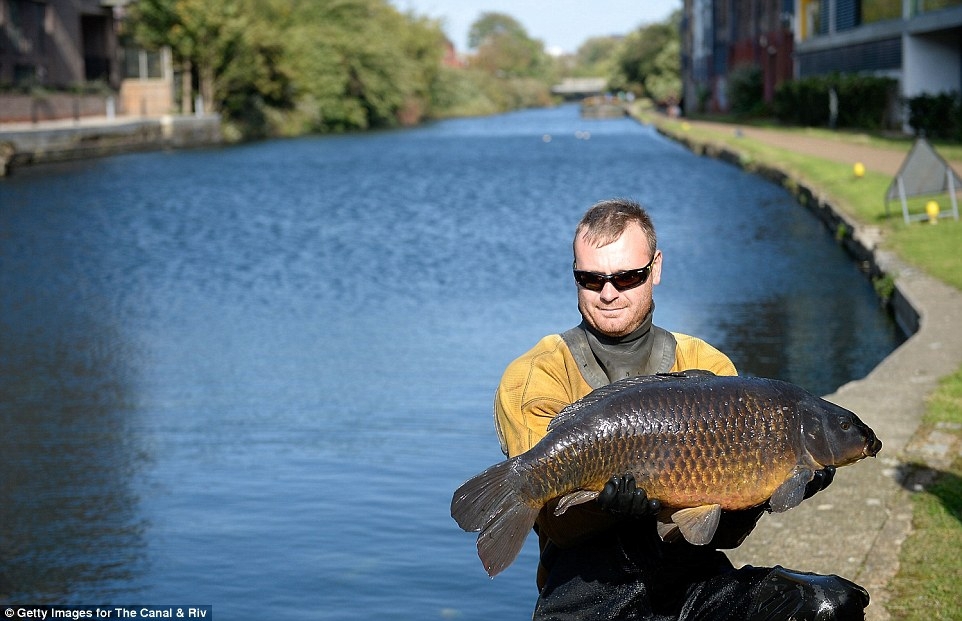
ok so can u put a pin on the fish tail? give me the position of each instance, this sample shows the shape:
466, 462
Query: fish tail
492, 502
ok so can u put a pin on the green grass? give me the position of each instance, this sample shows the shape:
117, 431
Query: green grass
936, 249
928, 585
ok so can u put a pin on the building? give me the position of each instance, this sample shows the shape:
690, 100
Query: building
57, 44
916, 42
722, 36
63, 59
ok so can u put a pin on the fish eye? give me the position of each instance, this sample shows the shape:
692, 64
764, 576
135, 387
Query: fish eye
846, 425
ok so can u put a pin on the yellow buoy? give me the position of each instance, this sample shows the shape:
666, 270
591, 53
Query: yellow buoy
859, 169
932, 210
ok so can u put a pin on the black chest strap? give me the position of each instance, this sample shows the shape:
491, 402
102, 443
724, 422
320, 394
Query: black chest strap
661, 359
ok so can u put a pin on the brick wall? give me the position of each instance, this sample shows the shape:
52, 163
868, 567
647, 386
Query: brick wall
49, 107
149, 98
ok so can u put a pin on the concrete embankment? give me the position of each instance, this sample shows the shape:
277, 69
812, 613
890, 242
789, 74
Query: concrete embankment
856, 527
24, 144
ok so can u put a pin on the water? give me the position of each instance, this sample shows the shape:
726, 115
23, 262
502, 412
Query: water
252, 377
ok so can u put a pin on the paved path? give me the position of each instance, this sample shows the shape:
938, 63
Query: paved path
886, 161
855, 528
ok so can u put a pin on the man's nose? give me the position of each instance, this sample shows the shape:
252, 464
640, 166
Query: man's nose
609, 292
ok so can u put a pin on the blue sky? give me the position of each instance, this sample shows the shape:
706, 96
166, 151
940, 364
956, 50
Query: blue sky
563, 24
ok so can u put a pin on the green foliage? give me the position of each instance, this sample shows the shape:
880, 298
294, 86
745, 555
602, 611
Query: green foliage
746, 91
206, 36
863, 101
802, 102
286, 67
937, 116
458, 92
596, 56
494, 26
290, 66
884, 287
647, 62
504, 49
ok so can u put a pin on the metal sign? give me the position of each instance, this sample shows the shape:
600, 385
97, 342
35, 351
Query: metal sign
924, 172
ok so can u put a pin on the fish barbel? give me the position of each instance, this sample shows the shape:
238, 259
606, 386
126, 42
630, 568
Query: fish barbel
697, 442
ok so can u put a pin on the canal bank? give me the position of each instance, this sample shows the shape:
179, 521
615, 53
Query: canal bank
856, 527
25, 144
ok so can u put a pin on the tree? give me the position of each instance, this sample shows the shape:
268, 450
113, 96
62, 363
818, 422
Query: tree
504, 49
648, 61
360, 62
597, 55
299, 65
201, 35
493, 25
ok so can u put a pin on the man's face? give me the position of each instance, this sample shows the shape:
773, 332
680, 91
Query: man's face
609, 311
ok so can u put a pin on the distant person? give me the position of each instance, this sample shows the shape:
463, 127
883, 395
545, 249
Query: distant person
604, 559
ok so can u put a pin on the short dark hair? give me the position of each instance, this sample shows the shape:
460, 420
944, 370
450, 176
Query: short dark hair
606, 220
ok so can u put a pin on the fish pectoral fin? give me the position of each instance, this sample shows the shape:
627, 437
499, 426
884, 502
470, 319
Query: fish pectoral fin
574, 498
790, 493
698, 524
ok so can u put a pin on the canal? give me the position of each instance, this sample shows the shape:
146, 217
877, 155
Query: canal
251, 377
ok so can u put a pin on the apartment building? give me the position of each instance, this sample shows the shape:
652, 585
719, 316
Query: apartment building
916, 42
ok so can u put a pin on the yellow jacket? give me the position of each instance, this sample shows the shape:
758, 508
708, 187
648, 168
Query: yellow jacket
539, 384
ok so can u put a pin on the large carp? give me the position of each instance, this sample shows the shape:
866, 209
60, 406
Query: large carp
697, 442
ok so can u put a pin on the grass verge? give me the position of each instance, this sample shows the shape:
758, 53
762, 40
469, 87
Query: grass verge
929, 582
928, 586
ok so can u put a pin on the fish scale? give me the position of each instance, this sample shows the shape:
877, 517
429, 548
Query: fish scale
696, 442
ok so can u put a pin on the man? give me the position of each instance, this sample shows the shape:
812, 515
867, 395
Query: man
604, 560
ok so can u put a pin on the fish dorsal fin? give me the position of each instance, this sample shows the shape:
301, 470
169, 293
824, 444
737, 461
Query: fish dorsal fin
791, 493
615, 387
698, 524
574, 498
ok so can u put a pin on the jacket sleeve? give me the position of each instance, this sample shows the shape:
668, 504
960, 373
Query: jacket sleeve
534, 388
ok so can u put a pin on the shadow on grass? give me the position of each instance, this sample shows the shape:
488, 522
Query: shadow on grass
944, 485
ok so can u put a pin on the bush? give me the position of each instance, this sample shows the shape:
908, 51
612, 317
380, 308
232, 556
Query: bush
937, 116
863, 101
746, 92
802, 102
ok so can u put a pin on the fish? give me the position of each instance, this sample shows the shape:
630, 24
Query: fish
696, 442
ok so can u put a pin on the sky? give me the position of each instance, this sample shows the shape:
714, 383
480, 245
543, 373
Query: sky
560, 24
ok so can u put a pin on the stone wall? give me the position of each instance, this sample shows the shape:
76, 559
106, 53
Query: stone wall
52, 142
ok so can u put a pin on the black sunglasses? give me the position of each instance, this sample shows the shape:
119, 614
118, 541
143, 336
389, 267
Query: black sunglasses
622, 281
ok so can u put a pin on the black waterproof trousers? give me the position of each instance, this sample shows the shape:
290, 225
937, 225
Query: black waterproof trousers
628, 577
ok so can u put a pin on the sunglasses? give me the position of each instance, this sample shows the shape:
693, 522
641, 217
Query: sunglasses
622, 281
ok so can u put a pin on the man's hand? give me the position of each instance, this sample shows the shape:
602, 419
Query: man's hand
622, 497
822, 479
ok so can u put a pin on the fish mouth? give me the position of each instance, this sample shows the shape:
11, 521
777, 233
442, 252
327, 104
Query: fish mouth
872, 449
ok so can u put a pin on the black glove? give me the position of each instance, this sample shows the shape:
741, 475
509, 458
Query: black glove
822, 479
621, 496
